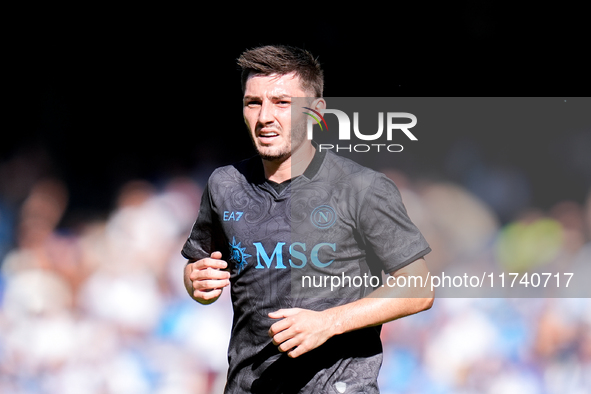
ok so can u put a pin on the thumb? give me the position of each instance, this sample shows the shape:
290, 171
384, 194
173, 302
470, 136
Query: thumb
284, 313
216, 255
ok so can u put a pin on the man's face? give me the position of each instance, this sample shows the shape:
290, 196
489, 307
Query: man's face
267, 114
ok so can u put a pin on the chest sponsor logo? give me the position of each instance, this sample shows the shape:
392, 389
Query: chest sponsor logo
299, 255
238, 255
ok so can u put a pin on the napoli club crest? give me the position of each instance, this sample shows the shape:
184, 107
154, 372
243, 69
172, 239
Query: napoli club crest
323, 216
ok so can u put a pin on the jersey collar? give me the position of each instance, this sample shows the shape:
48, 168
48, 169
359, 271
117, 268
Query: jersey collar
315, 164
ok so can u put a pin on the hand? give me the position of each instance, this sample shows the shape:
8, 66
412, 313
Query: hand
205, 280
300, 330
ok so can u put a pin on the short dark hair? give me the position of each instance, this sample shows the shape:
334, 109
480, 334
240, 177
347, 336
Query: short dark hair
283, 59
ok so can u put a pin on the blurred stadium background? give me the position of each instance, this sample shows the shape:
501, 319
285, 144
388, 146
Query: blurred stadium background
115, 119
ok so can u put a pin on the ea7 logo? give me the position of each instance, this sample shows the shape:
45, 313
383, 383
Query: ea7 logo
345, 124
232, 216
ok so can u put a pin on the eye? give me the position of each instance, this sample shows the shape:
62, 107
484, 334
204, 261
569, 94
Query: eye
252, 103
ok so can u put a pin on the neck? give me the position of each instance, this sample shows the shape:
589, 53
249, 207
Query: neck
295, 165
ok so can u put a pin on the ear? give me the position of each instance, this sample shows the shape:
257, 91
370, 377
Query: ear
319, 104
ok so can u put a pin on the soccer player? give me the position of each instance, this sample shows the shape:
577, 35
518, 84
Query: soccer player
290, 213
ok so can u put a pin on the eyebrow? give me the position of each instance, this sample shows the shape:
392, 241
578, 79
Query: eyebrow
282, 96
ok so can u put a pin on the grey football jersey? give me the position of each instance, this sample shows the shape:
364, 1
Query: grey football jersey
337, 219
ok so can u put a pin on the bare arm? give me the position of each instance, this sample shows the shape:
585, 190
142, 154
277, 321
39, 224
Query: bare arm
204, 279
301, 330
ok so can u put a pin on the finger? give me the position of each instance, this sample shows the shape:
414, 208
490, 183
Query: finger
207, 295
284, 313
297, 351
279, 326
208, 273
210, 263
214, 263
289, 345
205, 285
283, 336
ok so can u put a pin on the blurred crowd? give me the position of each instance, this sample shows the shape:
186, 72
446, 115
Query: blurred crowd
493, 345
99, 307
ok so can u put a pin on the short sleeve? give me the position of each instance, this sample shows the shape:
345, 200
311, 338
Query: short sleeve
386, 227
205, 234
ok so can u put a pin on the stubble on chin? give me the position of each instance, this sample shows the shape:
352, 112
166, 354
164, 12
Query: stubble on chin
281, 155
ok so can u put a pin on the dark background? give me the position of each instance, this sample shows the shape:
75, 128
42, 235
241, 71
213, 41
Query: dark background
104, 95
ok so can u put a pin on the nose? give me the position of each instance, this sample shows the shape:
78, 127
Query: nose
266, 112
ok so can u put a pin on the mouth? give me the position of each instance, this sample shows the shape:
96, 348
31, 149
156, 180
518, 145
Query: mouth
267, 135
